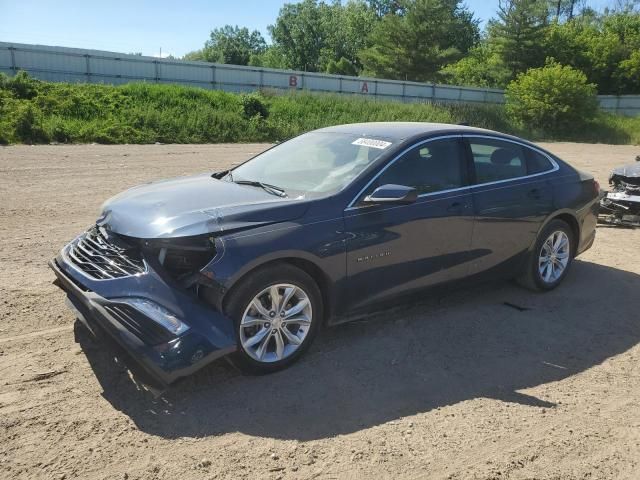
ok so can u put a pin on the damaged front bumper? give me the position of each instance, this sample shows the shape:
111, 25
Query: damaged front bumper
620, 208
169, 332
621, 205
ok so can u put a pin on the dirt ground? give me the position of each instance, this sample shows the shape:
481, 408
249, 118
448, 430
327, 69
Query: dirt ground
459, 386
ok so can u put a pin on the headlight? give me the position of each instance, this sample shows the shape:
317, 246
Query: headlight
182, 258
157, 313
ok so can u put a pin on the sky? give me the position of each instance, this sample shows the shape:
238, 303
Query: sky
144, 26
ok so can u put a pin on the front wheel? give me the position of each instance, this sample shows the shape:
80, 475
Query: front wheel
277, 312
551, 258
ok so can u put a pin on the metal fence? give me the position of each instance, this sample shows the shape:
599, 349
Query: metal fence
62, 64
623, 105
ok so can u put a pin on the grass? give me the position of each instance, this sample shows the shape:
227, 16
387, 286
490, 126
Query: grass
32, 111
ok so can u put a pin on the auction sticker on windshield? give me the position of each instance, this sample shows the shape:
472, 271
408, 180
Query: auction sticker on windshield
371, 142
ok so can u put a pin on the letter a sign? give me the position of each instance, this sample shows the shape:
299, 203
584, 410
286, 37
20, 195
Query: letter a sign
365, 88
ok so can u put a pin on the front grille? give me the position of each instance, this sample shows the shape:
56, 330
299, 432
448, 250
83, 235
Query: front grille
139, 324
101, 258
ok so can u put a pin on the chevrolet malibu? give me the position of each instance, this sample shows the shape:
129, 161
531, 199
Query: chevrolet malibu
318, 230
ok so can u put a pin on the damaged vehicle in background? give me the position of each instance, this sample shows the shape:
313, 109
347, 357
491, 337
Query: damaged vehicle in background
316, 231
621, 205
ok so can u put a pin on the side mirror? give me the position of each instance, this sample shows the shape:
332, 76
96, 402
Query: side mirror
398, 194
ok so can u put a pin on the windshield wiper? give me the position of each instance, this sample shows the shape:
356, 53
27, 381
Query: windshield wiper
272, 189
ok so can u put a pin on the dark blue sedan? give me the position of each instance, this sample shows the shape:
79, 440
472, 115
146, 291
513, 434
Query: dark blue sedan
316, 231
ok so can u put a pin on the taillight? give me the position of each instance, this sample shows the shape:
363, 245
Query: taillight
596, 187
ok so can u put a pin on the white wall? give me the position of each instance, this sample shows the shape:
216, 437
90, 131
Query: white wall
62, 64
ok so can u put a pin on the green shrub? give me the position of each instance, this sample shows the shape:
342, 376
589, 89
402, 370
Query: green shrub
342, 67
147, 113
22, 85
555, 99
59, 131
253, 106
5, 132
29, 125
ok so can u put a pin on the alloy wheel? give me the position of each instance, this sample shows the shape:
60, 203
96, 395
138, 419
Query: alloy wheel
276, 322
554, 256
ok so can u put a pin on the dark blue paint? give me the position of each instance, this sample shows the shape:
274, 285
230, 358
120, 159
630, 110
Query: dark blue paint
358, 254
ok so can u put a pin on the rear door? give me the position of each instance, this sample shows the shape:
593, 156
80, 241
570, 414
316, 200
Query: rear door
397, 248
512, 197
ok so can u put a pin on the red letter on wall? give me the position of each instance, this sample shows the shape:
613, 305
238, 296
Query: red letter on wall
293, 81
365, 88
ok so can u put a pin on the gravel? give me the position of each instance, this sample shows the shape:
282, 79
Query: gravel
459, 386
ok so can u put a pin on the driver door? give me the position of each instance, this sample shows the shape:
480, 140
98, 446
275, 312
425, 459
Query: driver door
394, 248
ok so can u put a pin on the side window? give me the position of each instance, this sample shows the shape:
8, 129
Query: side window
430, 167
536, 162
496, 160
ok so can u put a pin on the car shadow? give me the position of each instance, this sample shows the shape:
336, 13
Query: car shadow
491, 341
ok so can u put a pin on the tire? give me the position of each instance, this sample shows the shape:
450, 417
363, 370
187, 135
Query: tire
266, 339
541, 280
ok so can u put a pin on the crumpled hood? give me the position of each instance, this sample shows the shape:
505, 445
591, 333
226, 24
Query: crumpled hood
632, 170
194, 205
629, 174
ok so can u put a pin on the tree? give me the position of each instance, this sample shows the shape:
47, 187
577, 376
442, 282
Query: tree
341, 67
616, 54
272, 57
517, 33
563, 10
625, 6
597, 53
604, 48
416, 45
195, 56
385, 7
482, 67
312, 33
627, 75
231, 45
299, 32
348, 28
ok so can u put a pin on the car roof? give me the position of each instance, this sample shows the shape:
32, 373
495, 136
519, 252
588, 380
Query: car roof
404, 130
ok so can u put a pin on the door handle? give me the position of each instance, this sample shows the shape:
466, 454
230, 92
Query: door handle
456, 207
535, 193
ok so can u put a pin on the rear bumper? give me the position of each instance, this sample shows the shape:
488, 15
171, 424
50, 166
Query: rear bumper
209, 337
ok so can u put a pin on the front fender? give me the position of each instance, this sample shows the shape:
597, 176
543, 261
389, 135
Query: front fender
321, 243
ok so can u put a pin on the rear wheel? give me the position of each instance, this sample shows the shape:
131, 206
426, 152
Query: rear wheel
551, 258
277, 312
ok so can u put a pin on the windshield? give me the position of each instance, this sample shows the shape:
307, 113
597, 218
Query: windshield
313, 164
